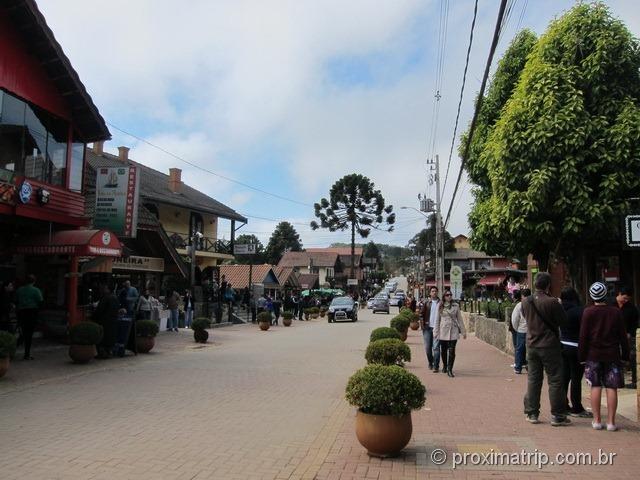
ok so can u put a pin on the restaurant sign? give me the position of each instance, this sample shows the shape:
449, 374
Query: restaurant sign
632, 230
117, 200
140, 264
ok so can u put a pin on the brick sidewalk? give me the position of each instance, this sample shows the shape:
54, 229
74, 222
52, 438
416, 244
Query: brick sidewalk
480, 410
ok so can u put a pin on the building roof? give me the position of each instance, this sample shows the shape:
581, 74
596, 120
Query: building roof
302, 259
238, 275
287, 275
339, 250
154, 186
467, 254
88, 124
309, 280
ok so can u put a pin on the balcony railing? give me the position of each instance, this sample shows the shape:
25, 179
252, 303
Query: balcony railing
204, 244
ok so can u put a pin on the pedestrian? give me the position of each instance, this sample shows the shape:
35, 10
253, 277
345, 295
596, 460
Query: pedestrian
572, 369
276, 311
519, 325
144, 305
7, 303
189, 307
106, 314
449, 326
544, 316
517, 295
428, 318
29, 299
172, 304
268, 306
603, 347
630, 316
128, 298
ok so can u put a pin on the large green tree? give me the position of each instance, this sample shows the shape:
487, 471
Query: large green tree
354, 204
371, 250
423, 243
284, 238
563, 158
258, 257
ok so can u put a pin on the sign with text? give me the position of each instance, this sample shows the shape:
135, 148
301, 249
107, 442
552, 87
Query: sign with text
141, 264
117, 200
352, 281
632, 230
244, 249
455, 277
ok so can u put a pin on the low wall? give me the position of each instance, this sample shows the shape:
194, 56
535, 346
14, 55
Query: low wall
489, 330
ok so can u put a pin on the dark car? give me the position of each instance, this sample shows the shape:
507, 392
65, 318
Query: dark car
380, 305
343, 308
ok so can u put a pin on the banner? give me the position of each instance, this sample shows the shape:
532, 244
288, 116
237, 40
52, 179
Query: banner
141, 264
117, 200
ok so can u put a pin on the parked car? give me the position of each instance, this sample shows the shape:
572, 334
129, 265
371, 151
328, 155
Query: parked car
397, 300
370, 302
342, 308
381, 305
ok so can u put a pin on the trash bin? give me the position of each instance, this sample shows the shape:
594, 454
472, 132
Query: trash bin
125, 336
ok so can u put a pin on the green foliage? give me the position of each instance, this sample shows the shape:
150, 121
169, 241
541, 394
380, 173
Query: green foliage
283, 238
146, 328
371, 250
564, 155
424, 242
383, 332
400, 323
264, 317
287, 315
410, 314
7, 344
258, 258
314, 310
388, 351
385, 390
85, 333
201, 323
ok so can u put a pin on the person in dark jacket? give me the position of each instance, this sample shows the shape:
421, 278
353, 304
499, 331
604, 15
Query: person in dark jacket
277, 306
189, 307
630, 317
544, 316
569, 336
106, 315
603, 347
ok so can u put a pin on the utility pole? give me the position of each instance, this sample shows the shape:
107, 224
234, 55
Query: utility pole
434, 177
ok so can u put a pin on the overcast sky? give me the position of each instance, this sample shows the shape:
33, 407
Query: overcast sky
290, 95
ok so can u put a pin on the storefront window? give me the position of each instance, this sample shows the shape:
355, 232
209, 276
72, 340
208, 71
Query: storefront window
76, 167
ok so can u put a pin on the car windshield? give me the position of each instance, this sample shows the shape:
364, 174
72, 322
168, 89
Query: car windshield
342, 301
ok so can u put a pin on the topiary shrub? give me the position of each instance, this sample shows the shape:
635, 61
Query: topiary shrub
264, 317
400, 323
384, 332
146, 328
7, 344
385, 390
85, 333
287, 315
201, 323
411, 315
388, 351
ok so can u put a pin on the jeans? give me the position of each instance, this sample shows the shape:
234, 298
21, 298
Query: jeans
432, 347
172, 322
188, 316
514, 339
572, 372
521, 351
549, 360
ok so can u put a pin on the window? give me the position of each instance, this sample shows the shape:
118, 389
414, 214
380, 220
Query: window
33, 142
330, 272
76, 167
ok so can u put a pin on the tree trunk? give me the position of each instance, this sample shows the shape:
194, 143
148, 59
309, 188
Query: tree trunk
353, 247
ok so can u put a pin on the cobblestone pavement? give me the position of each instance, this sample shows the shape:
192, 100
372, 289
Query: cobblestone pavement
269, 405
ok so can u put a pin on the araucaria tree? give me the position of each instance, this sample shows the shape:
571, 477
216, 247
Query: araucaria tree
563, 158
354, 204
284, 238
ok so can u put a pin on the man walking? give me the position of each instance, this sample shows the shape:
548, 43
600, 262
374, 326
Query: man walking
28, 301
428, 318
630, 316
544, 316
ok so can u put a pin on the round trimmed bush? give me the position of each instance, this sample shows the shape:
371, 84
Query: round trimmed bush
400, 323
264, 317
385, 390
388, 351
7, 344
201, 323
411, 315
384, 332
85, 333
287, 315
146, 328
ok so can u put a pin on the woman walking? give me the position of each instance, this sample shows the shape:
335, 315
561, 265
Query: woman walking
603, 346
449, 326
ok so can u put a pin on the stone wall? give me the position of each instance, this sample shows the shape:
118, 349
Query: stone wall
489, 330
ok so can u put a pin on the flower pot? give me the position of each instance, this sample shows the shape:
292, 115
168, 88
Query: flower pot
82, 353
306, 316
403, 335
145, 344
200, 336
414, 325
4, 366
286, 322
264, 326
383, 435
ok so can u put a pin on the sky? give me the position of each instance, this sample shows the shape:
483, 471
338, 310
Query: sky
288, 96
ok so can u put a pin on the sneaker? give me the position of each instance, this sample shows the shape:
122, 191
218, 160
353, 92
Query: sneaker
596, 425
582, 414
513, 365
611, 427
533, 418
175, 330
431, 366
559, 421
436, 370
517, 372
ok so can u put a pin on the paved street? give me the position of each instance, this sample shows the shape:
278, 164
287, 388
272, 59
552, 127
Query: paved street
256, 405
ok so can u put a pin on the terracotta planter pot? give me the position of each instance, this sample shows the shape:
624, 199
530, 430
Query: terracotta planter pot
383, 435
414, 325
145, 344
200, 336
264, 326
82, 353
306, 316
286, 322
4, 366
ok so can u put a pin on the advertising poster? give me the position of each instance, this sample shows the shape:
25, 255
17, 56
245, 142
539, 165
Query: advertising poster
117, 200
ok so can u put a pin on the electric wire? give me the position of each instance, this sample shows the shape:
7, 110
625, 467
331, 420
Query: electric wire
522, 14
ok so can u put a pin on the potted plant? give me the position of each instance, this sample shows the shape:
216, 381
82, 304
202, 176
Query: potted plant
287, 318
7, 351
83, 338
307, 313
412, 316
385, 396
388, 351
146, 331
323, 311
401, 324
199, 326
383, 332
264, 320
315, 312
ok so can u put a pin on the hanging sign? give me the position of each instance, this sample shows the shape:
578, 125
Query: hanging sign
632, 230
117, 200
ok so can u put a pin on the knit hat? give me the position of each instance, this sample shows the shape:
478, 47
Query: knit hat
597, 291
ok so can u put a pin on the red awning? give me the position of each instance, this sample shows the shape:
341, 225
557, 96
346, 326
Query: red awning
81, 243
492, 279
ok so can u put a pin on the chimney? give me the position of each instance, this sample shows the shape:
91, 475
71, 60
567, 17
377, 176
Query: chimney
98, 147
175, 180
123, 154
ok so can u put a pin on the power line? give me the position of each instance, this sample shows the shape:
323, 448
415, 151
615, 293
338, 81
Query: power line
238, 182
494, 44
524, 9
